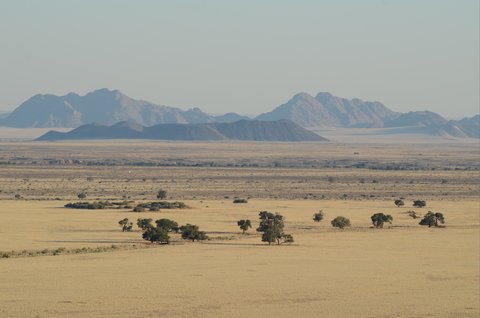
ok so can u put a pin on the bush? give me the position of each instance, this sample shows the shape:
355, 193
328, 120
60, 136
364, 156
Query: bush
319, 216
99, 205
18, 196
192, 232
240, 201
157, 205
378, 219
287, 238
432, 219
399, 203
419, 203
340, 222
82, 195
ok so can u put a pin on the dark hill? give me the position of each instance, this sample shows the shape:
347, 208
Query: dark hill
283, 130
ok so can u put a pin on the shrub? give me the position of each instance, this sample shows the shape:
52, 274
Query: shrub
18, 196
287, 238
340, 222
244, 225
238, 200
319, 216
378, 219
157, 205
432, 219
419, 203
82, 195
192, 232
399, 203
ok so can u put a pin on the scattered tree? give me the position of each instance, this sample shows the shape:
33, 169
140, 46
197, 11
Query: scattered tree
156, 234
192, 232
271, 226
378, 219
399, 203
167, 225
82, 195
340, 222
419, 203
432, 219
126, 225
244, 225
161, 194
319, 216
144, 224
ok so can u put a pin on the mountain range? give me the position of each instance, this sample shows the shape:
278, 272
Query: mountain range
254, 130
108, 107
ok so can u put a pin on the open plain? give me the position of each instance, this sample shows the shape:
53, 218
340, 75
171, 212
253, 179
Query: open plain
402, 270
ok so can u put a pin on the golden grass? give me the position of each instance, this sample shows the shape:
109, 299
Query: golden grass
402, 271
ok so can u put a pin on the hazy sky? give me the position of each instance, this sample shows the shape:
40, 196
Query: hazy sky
245, 56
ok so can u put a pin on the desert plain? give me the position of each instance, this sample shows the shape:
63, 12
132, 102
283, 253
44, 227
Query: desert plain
90, 268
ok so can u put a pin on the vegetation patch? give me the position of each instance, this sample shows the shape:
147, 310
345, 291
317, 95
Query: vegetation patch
99, 205
157, 205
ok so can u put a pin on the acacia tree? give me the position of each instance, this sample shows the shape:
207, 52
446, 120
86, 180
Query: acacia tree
378, 219
399, 203
126, 225
192, 232
271, 226
432, 219
244, 225
167, 225
156, 234
340, 222
319, 216
161, 194
144, 223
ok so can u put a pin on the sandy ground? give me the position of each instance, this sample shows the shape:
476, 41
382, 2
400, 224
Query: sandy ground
401, 271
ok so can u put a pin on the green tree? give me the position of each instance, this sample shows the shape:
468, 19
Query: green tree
167, 225
340, 222
144, 223
271, 226
126, 225
378, 219
432, 219
419, 203
319, 216
399, 203
161, 194
244, 225
192, 232
156, 234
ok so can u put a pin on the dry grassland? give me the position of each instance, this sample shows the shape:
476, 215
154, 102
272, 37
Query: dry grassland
403, 270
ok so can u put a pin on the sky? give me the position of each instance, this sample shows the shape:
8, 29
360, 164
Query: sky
245, 56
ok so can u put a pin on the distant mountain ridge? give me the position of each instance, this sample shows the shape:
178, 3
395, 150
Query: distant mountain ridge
107, 107
102, 106
253, 130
